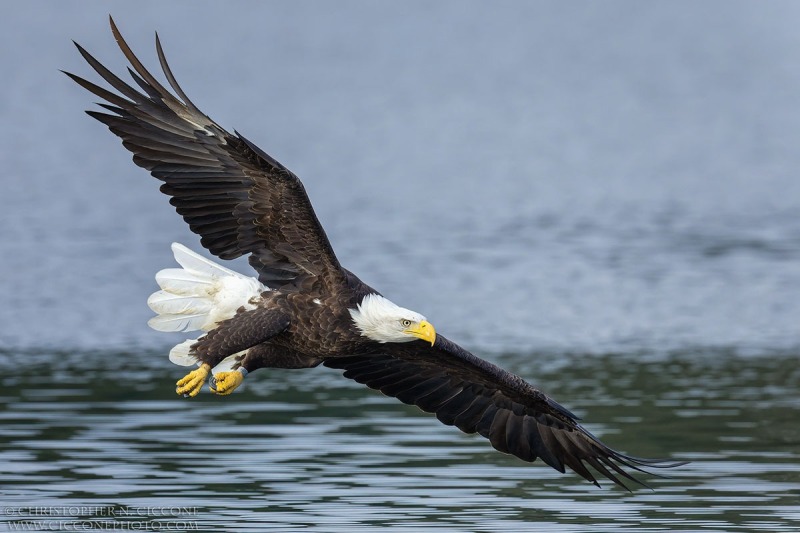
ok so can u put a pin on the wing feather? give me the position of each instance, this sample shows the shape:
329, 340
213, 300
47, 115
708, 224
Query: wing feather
236, 197
477, 397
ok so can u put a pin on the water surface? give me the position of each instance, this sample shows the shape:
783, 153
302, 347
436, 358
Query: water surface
309, 448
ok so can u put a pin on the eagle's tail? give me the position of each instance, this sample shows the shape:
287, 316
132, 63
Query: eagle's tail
198, 297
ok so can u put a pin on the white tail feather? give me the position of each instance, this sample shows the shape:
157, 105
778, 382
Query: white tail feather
180, 281
198, 297
168, 323
164, 302
197, 263
179, 354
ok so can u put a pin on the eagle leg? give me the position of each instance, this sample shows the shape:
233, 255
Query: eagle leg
241, 332
268, 355
224, 383
245, 330
259, 356
190, 384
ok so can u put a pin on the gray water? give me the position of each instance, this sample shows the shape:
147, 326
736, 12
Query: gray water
299, 449
601, 197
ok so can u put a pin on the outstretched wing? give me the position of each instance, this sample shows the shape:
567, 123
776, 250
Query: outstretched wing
236, 197
477, 396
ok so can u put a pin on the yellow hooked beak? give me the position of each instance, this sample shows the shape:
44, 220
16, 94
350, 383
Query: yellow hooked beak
423, 330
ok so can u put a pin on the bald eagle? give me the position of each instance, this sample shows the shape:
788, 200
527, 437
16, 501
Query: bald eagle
304, 309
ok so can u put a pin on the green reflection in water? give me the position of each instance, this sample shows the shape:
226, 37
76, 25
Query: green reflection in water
309, 448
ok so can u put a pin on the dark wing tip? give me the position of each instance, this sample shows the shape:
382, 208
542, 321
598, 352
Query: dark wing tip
80, 48
114, 28
638, 464
610, 462
539, 429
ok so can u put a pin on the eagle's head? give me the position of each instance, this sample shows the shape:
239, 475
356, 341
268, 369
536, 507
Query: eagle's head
383, 321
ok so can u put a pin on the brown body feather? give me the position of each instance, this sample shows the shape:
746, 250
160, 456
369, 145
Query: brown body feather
242, 201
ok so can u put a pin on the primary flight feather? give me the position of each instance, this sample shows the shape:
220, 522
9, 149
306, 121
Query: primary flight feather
305, 309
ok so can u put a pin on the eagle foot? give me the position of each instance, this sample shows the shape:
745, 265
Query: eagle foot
190, 384
224, 383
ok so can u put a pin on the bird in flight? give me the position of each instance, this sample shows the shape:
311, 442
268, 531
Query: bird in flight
304, 308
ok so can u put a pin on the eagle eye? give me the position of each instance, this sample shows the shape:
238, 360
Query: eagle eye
405, 323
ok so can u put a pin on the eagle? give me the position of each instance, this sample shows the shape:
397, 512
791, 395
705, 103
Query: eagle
304, 308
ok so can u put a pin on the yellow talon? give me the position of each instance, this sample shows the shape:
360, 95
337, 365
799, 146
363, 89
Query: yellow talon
224, 383
190, 384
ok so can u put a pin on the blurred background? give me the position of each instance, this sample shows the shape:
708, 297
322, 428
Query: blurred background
530, 175
601, 196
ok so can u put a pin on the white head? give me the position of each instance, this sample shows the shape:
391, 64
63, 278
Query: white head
381, 320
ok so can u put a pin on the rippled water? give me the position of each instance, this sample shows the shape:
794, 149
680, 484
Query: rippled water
601, 197
309, 448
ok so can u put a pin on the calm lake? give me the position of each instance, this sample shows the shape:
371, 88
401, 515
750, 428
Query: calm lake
104, 430
600, 197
